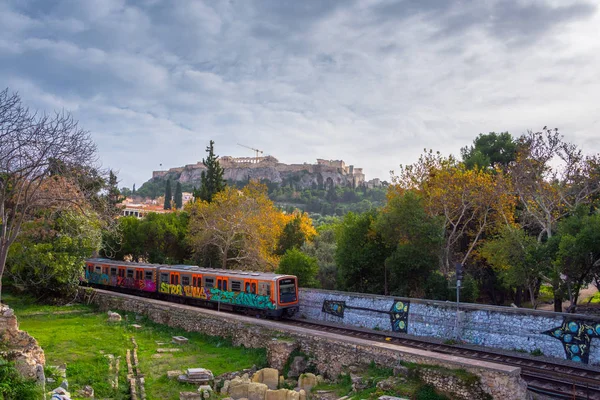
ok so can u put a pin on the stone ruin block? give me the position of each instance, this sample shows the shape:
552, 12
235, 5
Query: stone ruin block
180, 340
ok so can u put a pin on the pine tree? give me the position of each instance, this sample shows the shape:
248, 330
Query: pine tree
133, 191
178, 196
212, 179
168, 195
114, 196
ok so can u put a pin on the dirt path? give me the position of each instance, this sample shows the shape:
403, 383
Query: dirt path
584, 294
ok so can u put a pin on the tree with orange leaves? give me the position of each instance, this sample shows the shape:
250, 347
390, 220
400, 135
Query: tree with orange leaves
470, 201
243, 226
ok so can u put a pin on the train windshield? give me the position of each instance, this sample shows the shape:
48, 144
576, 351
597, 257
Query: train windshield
287, 290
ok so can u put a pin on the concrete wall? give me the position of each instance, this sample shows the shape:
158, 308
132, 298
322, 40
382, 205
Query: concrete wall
567, 336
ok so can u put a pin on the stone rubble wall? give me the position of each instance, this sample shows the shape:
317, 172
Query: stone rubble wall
331, 353
17, 346
505, 328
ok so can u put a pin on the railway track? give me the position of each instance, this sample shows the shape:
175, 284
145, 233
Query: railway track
553, 379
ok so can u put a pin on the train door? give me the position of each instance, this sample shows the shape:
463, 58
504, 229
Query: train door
251, 286
139, 278
197, 290
222, 283
174, 278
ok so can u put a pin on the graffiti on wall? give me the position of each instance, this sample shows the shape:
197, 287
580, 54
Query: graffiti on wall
576, 338
398, 312
334, 307
399, 316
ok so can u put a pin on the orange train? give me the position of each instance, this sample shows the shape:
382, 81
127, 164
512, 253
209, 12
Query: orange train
260, 293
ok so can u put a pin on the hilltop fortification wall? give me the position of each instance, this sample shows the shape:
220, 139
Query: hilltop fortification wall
323, 174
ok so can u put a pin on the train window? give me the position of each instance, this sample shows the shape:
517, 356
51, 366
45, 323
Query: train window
209, 282
164, 278
247, 288
90, 268
105, 270
139, 275
148, 275
122, 272
98, 270
236, 286
129, 273
113, 271
264, 288
185, 280
222, 284
287, 290
253, 288
174, 279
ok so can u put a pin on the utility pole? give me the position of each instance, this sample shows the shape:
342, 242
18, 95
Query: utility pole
459, 276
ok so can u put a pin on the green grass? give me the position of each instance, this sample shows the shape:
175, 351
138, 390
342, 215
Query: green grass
81, 338
595, 299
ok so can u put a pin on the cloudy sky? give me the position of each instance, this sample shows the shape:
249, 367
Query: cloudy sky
371, 82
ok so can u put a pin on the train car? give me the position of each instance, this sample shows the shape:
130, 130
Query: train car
127, 277
257, 293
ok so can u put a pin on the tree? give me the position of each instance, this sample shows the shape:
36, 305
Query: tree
113, 193
212, 181
360, 254
305, 267
297, 231
519, 259
31, 145
242, 226
133, 190
472, 202
323, 249
416, 238
490, 150
578, 255
178, 198
551, 178
168, 195
47, 256
157, 238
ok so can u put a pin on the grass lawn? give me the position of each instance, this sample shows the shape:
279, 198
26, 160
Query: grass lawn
80, 336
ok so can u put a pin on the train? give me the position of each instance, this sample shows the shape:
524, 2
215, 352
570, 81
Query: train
253, 293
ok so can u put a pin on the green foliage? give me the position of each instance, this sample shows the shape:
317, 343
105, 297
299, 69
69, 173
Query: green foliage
178, 198
14, 387
211, 180
305, 267
537, 352
578, 255
427, 392
47, 257
292, 236
168, 195
360, 254
113, 195
323, 248
417, 239
489, 150
157, 238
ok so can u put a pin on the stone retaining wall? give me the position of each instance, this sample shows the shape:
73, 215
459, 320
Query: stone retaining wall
558, 335
331, 352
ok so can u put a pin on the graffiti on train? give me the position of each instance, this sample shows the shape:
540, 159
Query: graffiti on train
241, 298
96, 278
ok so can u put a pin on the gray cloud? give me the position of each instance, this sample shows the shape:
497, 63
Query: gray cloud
372, 82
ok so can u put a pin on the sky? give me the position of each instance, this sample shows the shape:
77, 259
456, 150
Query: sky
372, 82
